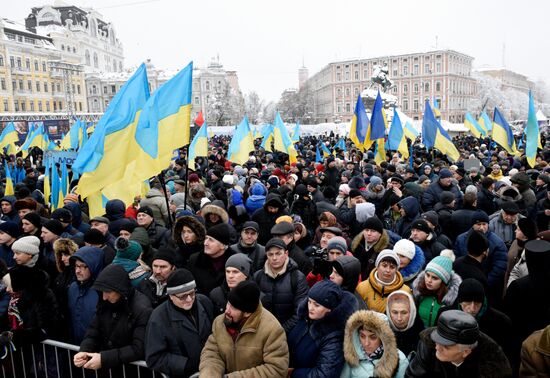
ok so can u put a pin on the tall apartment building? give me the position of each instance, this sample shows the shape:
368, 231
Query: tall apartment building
34, 74
443, 76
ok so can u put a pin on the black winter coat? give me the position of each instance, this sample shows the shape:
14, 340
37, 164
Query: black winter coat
407, 341
461, 221
255, 253
218, 297
149, 289
206, 277
486, 201
173, 343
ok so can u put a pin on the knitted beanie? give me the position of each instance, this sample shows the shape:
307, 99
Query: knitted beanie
338, 243
528, 227
221, 232
241, 262
127, 249
387, 254
34, 219
477, 243
180, 281
27, 244
54, 226
405, 248
10, 228
471, 290
373, 223
147, 210
326, 293
442, 267
245, 296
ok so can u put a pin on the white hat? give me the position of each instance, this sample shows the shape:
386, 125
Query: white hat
387, 253
204, 201
405, 248
228, 180
27, 244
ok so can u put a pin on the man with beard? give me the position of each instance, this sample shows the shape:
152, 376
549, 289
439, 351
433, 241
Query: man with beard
246, 339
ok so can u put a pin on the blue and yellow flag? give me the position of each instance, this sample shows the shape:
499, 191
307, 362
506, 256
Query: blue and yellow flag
282, 141
296, 133
532, 136
76, 136
471, 124
434, 136
502, 133
35, 138
8, 138
325, 149
359, 125
318, 157
199, 145
104, 158
267, 137
241, 144
47, 181
56, 187
164, 125
341, 145
410, 131
8, 191
435, 109
485, 122
396, 137
377, 130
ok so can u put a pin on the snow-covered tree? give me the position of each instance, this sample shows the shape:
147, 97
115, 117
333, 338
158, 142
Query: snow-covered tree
253, 107
225, 106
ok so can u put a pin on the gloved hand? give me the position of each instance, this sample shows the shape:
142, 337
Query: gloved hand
5, 338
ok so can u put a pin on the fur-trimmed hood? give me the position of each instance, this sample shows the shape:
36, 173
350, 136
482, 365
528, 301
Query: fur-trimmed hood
377, 323
415, 266
452, 286
191, 222
213, 209
381, 244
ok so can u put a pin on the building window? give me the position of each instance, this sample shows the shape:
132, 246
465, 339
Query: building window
114, 65
78, 89
87, 57
96, 60
347, 75
207, 86
29, 85
104, 89
60, 105
339, 108
18, 62
438, 67
94, 89
338, 76
113, 89
356, 75
438, 86
196, 100
405, 88
38, 86
415, 105
47, 106
415, 68
23, 106
405, 105
1, 60
348, 107
80, 106
365, 74
20, 85
16, 105
36, 65
55, 106
62, 47
95, 106
45, 87
28, 63
347, 92
12, 61
44, 66
339, 92
427, 68
415, 88
355, 92
395, 89
426, 87
394, 73
39, 106
207, 99
3, 84
405, 70
58, 87
14, 85
74, 89
32, 106
6, 105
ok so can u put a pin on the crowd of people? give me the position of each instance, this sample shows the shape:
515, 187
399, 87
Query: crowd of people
335, 268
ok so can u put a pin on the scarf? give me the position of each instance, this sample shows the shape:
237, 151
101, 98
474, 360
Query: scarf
377, 354
14, 317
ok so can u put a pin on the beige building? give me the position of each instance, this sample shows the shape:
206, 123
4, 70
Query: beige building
510, 80
35, 76
443, 76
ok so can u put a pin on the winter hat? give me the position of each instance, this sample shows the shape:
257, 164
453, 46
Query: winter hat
128, 226
180, 281
221, 232
71, 197
245, 296
284, 218
528, 227
127, 249
344, 188
62, 215
422, 225
241, 262
165, 254
10, 228
338, 243
480, 216
33, 218
405, 248
228, 180
375, 180
275, 242
356, 182
333, 230
477, 243
326, 293
355, 193
251, 225
282, 228
373, 223
293, 176
445, 173
204, 201
273, 182
300, 190
446, 197
54, 226
100, 220
387, 254
147, 210
193, 177
25, 203
94, 236
178, 199
140, 235
471, 290
422, 178
431, 216
520, 178
442, 267
27, 244
510, 207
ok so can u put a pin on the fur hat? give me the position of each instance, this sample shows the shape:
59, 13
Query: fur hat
245, 296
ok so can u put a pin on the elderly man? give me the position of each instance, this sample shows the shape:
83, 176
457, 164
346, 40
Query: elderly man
102, 224
456, 348
433, 193
154, 287
178, 328
246, 340
504, 222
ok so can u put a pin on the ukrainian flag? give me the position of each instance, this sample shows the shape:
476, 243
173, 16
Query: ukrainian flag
164, 125
56, 188
267, 137
64, 185
35, 138
281, 139
8, 138
199, 145
47, 181
341, 145
8, 191
296, 133
359, 125
410, 131
472, 125
502, 133
318, 158
75, 137
377, 130
241, 144
106, 155
396, 137
485, 122
532, 136
435, 109
434, 136
325, 149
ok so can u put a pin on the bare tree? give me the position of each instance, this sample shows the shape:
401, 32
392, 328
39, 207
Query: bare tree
253, 107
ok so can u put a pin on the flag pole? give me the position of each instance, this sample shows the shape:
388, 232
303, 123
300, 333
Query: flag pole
186, 148
163, 183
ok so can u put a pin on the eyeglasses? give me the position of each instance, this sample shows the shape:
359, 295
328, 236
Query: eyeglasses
185, 296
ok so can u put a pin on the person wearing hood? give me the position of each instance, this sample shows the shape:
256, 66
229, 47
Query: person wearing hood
369, 243
409, 207
155, 200
66, 217
383, 280
116, 335
435, 288
77, 221
87, 262
9, 213
115, 211
248, 245
472, 300
9, 232
404, 322
304, 206
411, 260
444, 183
178, 328
256, 197
188, 236
127, 254
315, 342
346, 273
496, 173
370, 348
432, 218
375, 193
424, 237
312, 187
214, 213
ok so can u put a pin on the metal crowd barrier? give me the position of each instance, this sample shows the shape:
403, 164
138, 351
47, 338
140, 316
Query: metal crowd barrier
54, 359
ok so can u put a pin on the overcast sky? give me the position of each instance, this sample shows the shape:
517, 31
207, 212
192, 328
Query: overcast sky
265, 42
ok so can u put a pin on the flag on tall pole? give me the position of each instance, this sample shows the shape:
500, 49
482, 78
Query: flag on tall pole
8, 190
471, 124
8, 138
532, 136
502, 133
359, 125
241, 144
434, 136
377, 130
199, 145
281, 139
396, 137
